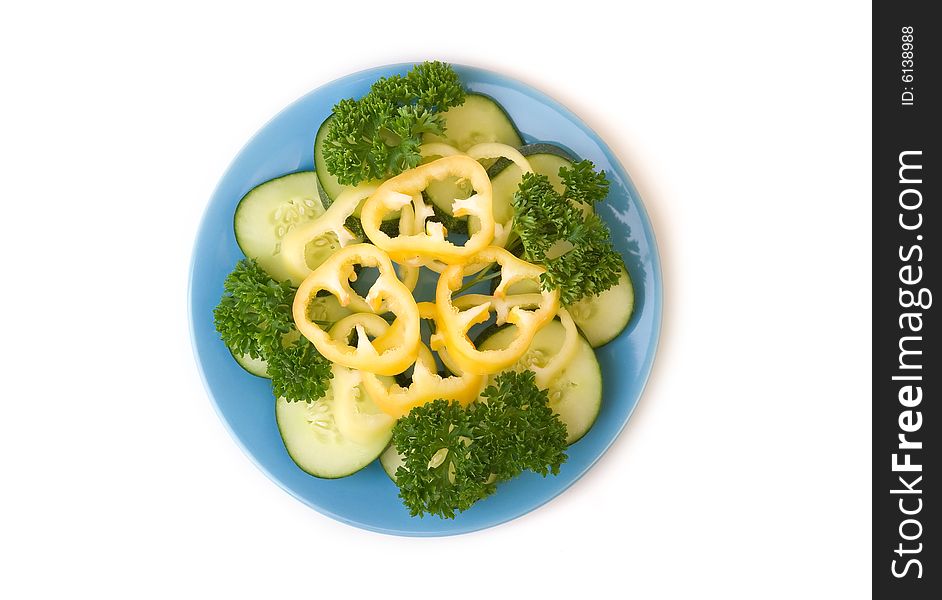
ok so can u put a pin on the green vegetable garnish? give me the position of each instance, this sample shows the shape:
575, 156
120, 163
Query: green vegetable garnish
254, 318
299, 372
517, 429
575, 248
454, 456
378, 136
440, 473
254, 314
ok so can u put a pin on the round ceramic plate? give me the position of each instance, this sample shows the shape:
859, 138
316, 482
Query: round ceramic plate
369, 499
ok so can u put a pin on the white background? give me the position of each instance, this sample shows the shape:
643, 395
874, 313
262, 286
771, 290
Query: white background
744, 473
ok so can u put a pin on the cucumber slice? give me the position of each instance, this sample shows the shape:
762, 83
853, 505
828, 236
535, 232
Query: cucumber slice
390, 226
269, 211
524, 286
576, 393
328, 183
391, 461
326, 200
601, 318
442, 194
326, 309
545, 159
315, 439
539, 152
479, 119
452, 224
255, 366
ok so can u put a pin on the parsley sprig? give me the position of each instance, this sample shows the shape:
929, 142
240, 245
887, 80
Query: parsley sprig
454, 456
254, 318
574, 247
379, 135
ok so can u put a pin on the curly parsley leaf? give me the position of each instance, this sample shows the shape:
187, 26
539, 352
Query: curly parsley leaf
517, 429
379, 135
441, 472
299, 372
454, 456
254, 318
254, 314
583, 183
575, 249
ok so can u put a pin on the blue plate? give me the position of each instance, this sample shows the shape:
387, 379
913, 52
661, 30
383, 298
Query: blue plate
369, 499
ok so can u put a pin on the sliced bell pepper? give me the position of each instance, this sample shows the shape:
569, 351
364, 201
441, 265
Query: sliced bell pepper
563, 355
409, 274
429, 238
545, 375
397, 350
498, 150
484, 150
455, 322
438, 149
427, 384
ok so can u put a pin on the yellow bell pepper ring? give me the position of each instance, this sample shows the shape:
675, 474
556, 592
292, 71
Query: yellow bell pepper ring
484, 150
395, 352
431, 149
409, 274
455, 321
427, 385
545, 375
429, 238
428, 310
498, 150
366, 325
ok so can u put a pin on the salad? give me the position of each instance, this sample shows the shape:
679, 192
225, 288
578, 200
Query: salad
429, 296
